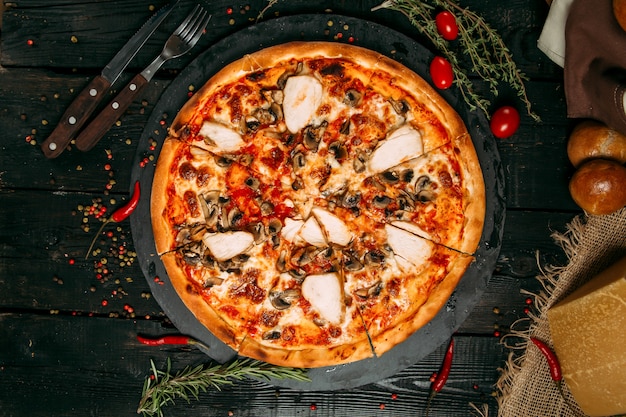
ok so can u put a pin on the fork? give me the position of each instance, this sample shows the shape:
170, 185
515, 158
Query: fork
180, 42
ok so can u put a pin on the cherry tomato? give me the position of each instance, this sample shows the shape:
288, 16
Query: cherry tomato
446, 25
504, 122
441, 72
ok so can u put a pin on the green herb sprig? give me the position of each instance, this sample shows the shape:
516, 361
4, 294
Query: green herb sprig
162, 388
491, 59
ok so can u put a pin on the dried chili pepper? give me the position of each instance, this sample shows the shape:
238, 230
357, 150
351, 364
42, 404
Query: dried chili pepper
172, 339
553, 364
553, 361
175, 339
442, 376
119, 214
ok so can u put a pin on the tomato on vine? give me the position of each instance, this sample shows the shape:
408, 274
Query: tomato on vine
504, 122
441, 72
446, 25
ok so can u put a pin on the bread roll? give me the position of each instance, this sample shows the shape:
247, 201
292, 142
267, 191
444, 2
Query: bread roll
599, 186
591, 139
619, 10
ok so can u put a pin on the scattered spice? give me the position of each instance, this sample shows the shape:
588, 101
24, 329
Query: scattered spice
442, 376
120, 214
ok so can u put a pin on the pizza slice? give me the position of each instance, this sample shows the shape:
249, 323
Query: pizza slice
412, 282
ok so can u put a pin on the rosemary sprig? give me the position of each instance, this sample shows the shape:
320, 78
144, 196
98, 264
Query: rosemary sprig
162, 388
491, 59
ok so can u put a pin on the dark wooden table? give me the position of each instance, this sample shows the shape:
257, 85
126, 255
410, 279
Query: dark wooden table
68, 325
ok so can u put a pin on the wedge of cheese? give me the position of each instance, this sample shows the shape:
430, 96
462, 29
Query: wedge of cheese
589, 335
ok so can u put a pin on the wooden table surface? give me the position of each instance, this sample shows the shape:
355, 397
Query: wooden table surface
68, 325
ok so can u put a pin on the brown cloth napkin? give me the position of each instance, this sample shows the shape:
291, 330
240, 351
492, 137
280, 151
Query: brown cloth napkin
595, 63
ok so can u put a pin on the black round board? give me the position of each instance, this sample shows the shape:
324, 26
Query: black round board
383, 40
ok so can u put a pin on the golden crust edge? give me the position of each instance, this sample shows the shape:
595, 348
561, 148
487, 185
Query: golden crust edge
194, 301
163, 239
474, 184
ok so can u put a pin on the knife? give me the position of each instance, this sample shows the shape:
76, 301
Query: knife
85, 103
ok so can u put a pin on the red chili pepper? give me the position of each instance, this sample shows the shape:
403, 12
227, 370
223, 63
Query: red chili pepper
442, 375
553, 361
119, 214
123, 212
174, 339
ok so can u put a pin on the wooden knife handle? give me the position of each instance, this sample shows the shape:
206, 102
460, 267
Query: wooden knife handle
110, 114
75, 117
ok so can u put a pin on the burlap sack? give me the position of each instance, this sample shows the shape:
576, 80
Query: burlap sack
525, 388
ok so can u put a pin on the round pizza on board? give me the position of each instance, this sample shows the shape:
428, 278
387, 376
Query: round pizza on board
316, 203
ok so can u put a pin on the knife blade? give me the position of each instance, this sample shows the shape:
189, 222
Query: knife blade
88, 99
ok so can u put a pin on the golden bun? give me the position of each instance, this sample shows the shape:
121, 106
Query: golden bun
619, 10
598, 186
591, 139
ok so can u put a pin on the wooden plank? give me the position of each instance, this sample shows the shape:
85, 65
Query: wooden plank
51, 26
69, 365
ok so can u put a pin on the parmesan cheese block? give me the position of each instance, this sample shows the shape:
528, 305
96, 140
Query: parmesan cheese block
589, 336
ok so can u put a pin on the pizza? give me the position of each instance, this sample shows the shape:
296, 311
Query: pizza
316, 203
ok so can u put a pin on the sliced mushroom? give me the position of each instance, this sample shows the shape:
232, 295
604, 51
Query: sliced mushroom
267, 208
298, 161
298, 274
312, 136
212, 281
282, 80
389, 177
373, 258
264, 116
353, 98
274, 227
400, 106
253, 183
350, 200
406, 175
359, 162
271, 335
381, 201
281, 262
258, 232
282, 300
370, 292
338, 150
423, 190
345, 127
351, 262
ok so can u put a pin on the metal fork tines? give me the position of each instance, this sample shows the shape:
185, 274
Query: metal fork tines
181, 41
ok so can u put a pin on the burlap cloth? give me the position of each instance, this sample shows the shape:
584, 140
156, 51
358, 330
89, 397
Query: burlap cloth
525, 388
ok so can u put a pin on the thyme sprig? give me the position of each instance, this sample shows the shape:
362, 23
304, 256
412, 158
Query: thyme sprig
490, 57
162, 388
